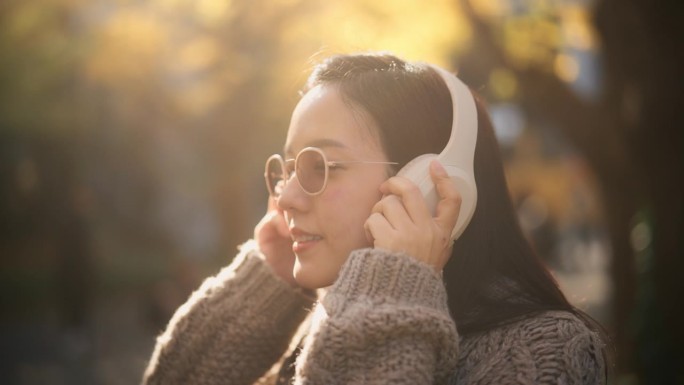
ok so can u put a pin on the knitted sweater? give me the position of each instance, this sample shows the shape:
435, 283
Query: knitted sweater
385, 320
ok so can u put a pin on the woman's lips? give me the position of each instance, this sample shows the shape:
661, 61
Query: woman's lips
303, 240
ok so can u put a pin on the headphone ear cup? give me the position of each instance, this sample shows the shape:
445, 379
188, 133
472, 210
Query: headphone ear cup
417, 168
418, 171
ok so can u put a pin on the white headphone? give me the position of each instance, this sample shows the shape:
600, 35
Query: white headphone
457, 157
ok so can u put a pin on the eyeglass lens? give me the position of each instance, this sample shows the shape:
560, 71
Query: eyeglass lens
310, 168
311, 171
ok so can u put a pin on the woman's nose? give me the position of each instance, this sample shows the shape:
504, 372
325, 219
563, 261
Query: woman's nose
291, 195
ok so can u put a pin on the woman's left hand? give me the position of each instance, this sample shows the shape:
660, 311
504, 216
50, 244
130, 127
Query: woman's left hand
402, 222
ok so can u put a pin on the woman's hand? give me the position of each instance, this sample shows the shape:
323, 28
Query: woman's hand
273, 237
401, 220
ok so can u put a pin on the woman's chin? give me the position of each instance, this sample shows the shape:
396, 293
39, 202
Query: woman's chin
309, 278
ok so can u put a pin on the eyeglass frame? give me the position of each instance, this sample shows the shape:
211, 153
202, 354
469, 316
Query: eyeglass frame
328, 164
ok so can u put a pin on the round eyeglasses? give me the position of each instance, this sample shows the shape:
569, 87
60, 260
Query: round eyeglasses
311, 167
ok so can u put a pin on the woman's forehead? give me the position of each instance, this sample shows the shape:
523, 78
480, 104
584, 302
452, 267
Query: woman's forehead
324, 119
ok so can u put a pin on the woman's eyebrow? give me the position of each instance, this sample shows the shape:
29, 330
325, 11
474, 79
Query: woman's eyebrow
320, 143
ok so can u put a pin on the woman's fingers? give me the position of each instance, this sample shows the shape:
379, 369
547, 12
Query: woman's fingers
378, 228
411, 198
281, 225
391, 207
273, 238
401, 220
277, 218
449, 203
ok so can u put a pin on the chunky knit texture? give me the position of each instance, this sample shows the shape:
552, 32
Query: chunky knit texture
231, 330
549, 348
385, 320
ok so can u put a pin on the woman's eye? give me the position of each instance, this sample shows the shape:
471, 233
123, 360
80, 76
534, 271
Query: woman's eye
319, 166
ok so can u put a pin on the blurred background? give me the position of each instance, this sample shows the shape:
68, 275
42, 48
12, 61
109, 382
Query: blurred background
133, 136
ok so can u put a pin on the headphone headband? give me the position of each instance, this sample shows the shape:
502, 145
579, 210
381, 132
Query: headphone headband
460, 149
459, 153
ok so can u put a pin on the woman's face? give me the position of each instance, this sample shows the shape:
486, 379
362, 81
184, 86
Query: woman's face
327, 227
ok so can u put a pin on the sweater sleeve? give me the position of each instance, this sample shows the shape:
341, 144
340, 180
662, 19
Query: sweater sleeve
554, 347
231, 330
385, 320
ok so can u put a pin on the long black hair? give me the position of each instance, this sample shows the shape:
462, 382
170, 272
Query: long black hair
494, 276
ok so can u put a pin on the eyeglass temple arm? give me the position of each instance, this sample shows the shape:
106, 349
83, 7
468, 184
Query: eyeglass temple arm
333, 162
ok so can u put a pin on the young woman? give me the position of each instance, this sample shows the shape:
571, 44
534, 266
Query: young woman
400, 302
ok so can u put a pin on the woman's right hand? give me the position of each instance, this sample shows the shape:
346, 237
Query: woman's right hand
273, 238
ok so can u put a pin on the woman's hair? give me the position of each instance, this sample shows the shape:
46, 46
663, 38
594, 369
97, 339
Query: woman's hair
493, 276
